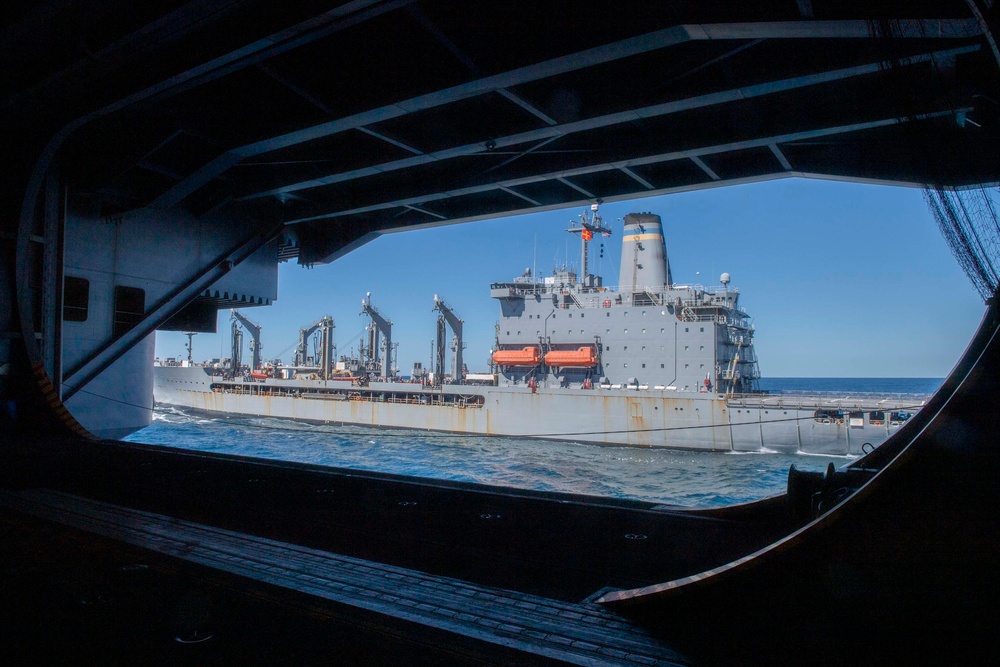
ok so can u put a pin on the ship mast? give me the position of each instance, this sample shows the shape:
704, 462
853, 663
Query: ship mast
590, 223
190, 343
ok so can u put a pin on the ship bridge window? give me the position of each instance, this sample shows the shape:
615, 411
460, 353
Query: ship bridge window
130, 307
76, 299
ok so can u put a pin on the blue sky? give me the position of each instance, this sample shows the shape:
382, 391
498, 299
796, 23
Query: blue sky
841, 279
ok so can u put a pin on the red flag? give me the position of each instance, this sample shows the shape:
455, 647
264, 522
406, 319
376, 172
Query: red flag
587, 235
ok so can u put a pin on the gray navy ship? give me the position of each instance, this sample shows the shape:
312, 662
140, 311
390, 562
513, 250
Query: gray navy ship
650, 363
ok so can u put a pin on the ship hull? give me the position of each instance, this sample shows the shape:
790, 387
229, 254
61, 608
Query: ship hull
643, 418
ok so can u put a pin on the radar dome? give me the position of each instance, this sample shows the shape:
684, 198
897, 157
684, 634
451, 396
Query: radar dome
724, 279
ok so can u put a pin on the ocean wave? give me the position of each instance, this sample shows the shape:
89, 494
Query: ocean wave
687, 478
753, 452
848, 457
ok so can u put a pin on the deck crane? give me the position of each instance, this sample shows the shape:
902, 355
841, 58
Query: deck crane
254, 330
379, 325
327, 352
455, 322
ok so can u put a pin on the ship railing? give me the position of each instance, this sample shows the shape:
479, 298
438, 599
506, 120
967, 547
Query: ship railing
914, 399
656, 293
897, 395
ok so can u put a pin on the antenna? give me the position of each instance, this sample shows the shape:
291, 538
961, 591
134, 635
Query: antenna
534, 259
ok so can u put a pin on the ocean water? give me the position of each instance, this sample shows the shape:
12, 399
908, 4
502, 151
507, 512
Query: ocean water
697, 479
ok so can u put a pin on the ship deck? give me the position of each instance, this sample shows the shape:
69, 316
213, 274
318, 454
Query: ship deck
793, 400
910, 403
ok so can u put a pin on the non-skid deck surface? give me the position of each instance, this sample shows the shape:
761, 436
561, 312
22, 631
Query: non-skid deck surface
582, 634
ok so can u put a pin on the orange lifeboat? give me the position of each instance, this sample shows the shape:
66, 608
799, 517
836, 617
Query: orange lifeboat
526, 356
581, 357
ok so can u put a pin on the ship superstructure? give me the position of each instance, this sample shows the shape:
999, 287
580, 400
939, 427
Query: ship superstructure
569, 330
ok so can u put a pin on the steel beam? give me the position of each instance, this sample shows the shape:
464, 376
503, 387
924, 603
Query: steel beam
637, 178
653, 111
780, 157
704, 167
565, 181
519, 195
53, 214
688, 154
668, 37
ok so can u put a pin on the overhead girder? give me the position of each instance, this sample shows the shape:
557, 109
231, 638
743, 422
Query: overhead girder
558, 131
661, 39
90, 73
694, 154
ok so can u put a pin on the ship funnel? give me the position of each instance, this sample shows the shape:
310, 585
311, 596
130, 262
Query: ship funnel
644, 254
